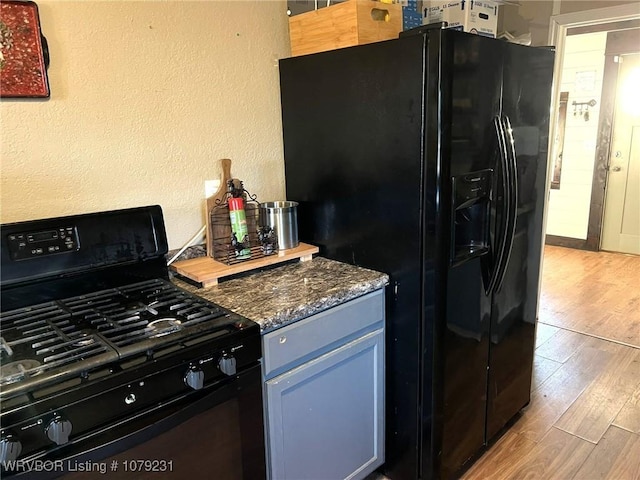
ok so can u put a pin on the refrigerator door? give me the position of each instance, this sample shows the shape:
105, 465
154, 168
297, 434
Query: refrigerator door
526, 105
475, 101
353, 123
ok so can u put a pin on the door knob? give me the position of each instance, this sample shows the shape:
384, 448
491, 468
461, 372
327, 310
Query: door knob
616, 169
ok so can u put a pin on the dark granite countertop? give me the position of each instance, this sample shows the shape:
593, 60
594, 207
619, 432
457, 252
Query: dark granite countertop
279, 296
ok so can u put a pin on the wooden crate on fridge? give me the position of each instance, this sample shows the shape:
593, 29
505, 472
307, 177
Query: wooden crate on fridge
353, 22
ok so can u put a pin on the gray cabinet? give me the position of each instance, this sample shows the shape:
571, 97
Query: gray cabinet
324, 393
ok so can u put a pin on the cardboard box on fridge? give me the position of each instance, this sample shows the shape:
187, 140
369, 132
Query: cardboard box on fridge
474, 16
411, 13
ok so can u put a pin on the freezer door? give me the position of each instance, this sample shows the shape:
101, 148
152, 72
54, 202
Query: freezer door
526, 105
474, 100
353, 145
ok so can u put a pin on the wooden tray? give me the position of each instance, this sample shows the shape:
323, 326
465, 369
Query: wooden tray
207, 271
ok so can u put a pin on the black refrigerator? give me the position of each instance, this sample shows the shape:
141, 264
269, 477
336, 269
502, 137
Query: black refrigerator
426, 158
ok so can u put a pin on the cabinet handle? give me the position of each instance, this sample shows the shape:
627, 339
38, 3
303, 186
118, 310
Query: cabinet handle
283, 339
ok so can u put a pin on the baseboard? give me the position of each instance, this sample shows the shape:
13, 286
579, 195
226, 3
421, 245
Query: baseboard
569, 242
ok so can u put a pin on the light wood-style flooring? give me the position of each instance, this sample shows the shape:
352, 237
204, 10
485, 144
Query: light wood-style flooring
595, 293
583, 421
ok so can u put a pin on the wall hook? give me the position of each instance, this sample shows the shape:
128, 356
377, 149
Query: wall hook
584, 108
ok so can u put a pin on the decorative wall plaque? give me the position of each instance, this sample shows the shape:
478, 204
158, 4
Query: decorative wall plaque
23, 52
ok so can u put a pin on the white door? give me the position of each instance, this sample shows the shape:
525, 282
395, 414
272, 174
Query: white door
621, 223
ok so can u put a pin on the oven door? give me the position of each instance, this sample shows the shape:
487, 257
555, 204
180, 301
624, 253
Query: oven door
206, 434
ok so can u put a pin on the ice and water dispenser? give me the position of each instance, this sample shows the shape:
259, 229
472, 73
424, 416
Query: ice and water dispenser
471, 195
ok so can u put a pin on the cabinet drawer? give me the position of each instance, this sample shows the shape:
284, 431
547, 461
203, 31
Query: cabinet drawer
294, 344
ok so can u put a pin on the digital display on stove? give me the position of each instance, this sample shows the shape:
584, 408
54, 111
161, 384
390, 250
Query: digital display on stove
133, 239
42, 236
42, 243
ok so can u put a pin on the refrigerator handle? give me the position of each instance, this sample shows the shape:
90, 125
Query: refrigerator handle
504, 211
513, 199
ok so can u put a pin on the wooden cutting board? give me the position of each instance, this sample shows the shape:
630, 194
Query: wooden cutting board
207, 271
218, 229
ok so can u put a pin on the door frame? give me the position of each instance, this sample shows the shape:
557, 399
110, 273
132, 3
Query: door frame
558, 26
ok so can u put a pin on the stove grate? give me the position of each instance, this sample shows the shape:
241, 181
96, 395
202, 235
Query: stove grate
75, 335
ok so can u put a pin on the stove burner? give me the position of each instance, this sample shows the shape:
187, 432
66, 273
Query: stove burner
16, 371
4, 346
139, 307
163, 326
84, 340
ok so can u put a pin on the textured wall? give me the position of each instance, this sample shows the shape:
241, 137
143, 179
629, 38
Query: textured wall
570, 6
533, 16
530, 16
146, 98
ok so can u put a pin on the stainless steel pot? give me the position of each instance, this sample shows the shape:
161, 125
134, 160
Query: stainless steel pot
282, 216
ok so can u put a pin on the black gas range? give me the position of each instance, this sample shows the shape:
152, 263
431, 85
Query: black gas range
101, 355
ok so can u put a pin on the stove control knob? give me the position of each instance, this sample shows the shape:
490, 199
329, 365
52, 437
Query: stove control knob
227, 364
10, 448
58, 430
194, 378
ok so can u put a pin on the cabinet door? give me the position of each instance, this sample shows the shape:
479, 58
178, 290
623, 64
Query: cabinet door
325, 419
